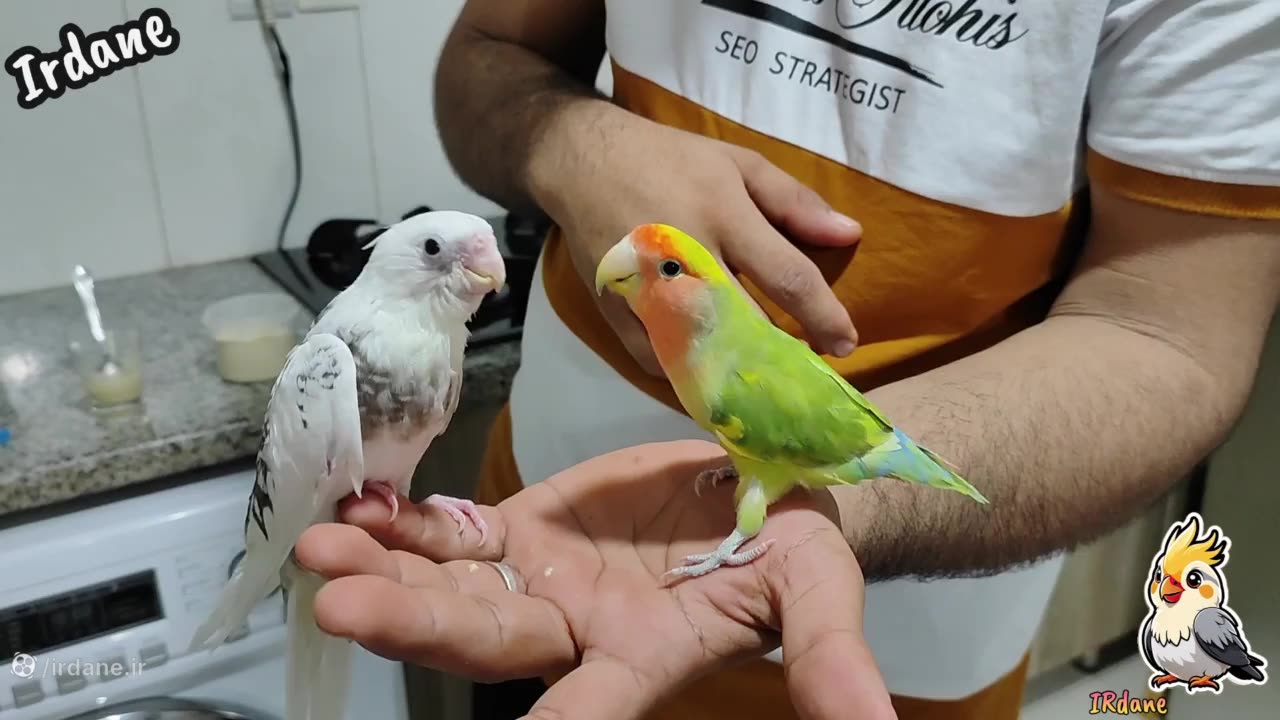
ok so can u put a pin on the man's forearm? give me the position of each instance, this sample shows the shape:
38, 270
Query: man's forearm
1068, 428
496, 104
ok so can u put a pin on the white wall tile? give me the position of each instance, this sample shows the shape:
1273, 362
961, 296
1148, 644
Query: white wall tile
403, 40
75, 180
220, 140
402, 43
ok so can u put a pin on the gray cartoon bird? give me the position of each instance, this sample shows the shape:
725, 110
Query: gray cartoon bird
1191, 637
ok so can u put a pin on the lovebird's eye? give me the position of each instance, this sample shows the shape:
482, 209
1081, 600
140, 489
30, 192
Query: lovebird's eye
1194, 578
670, 268
432, 246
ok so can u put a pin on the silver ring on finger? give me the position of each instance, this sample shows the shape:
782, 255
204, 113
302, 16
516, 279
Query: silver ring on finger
508, 574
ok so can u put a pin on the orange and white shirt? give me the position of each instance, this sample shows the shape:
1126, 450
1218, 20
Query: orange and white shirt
961, 134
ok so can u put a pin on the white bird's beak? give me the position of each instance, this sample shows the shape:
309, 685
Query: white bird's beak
483, 265
482, 281
619, 269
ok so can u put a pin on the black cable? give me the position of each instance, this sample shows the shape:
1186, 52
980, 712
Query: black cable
286, 87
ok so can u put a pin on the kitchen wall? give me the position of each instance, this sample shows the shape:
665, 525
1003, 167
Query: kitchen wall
185, 159
1243, 496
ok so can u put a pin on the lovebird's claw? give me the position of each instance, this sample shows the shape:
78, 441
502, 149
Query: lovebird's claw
726, 555
387, 493
461, 511
714, 477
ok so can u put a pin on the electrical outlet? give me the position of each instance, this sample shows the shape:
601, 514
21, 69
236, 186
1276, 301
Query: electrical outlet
248, 9
317, 6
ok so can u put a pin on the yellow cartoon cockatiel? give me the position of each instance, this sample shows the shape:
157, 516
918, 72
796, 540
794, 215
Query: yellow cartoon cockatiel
1191, 637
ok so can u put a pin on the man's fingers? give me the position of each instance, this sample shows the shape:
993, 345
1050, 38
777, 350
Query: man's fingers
792, 281
625, 324
792, 206
488, 637
334, 550
836, 678
603, 688
631, 331
426, 530
830, 671
776, 266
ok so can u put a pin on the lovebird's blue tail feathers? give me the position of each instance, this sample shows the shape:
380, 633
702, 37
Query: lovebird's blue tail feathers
902, 459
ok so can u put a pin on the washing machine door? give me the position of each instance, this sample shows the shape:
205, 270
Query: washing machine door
169, 709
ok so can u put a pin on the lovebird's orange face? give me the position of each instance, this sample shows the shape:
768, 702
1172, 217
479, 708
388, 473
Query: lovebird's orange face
660, 270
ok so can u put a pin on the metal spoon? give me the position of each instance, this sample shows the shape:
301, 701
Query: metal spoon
83, 283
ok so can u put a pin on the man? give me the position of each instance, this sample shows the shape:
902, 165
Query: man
1068, 305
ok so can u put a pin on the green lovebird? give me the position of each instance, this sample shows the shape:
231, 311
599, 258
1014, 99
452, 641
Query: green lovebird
784, 417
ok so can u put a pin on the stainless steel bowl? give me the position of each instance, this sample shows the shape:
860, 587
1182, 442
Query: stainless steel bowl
162, 708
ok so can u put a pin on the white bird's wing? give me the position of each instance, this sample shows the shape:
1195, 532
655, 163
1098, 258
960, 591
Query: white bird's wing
451, 402
311, 457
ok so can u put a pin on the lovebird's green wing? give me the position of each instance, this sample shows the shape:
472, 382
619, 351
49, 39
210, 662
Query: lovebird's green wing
780, 404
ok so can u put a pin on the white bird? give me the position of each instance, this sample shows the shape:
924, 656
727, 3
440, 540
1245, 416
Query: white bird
359, 401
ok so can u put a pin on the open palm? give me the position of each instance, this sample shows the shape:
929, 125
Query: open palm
590, 546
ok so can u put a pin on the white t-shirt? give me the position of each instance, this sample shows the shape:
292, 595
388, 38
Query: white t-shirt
973, 101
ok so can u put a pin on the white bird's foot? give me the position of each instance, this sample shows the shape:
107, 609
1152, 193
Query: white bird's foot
714, 477
726, 555
461, 511
387, 493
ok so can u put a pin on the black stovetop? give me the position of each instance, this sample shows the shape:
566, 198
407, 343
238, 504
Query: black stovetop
333, 258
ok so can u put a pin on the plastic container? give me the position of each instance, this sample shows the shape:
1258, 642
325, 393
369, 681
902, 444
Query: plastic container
252, 335
121, 387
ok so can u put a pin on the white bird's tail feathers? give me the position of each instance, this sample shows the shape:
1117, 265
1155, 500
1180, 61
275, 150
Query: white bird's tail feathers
251, 583
316, 664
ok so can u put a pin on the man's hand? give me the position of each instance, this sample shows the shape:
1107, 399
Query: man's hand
744, 209
523, 125
589, 546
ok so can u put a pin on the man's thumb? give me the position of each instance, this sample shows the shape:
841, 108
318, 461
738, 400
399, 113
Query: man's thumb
796, 210
632, 334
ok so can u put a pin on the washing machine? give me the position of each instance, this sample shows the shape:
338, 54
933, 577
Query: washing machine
98, 605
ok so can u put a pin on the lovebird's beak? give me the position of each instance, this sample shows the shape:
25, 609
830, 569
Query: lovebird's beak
619, 268
1170, 590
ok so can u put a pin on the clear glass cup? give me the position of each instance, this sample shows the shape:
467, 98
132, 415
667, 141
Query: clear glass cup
109, 389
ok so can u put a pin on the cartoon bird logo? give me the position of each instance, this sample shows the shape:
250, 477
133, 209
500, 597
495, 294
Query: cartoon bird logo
1191, 637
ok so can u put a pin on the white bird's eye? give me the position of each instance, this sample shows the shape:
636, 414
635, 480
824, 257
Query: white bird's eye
670, 268
432, 246
1194, 578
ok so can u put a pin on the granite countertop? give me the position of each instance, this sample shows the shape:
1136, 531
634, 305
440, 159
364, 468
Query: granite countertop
189, 418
